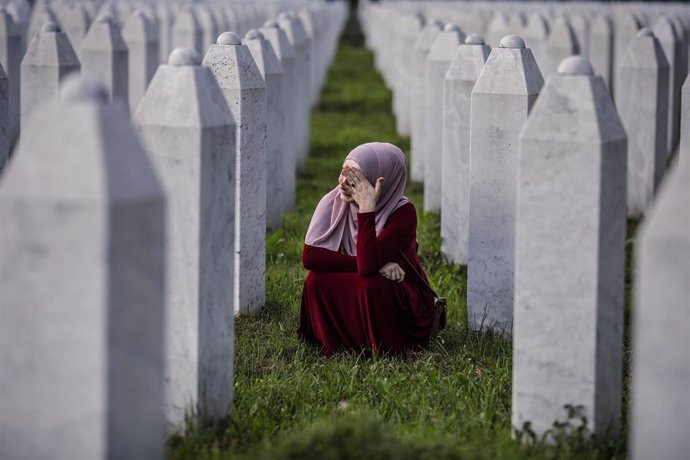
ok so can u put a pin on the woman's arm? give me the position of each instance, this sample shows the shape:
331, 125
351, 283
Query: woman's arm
324, 260
375, 251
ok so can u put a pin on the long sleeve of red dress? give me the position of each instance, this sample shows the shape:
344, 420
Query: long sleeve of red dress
347, 304
373, 251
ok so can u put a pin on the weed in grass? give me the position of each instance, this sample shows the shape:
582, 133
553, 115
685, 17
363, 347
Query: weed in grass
451, 401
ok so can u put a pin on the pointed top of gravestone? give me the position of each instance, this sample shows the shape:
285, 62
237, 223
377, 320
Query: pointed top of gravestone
271, 24
575, 65
254, 34
474, 39
106, 18
182, 57
83, 88
512, 41
451, 28
645, 32
228, 38
50, 27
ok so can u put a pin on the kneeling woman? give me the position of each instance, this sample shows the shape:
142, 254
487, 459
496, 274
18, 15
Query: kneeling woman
362, 292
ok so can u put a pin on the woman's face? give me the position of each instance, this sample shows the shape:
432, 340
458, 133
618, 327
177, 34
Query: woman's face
344, 196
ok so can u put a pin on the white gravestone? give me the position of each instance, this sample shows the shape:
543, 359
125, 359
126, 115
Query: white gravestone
535, 35
438, 61
660, 410
165, 17
208, 24
601, 49
457, 91
643, 106
582, 29
104, 53
11, 60
306, 17
286, 53
298, 39
420, 50
4, 119
626, 26
141, 36
188, 130
568, 323
508, 85
272, 71
74, 21
560, 44
245, 92
187, 32
82, 259
684, 148
669, 40
41, 13
48, 59
409, 27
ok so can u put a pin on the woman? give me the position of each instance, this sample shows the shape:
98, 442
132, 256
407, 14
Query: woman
362, 293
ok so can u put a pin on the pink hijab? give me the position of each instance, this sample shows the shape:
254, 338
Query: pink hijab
334, 223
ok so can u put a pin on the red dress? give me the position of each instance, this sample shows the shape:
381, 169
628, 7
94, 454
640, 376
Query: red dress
347, 304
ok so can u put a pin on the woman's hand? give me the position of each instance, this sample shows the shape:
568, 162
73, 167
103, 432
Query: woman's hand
393, 272
361, 190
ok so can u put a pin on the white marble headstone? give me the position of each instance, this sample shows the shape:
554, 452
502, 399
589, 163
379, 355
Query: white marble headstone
568, 318
508, 85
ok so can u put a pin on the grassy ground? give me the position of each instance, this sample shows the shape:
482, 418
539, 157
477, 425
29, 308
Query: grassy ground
452, 401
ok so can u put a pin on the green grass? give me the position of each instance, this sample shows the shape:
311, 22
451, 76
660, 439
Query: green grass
452, 401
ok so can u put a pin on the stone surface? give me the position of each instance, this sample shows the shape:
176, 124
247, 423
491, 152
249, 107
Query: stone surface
601, 54
626, 25
272, 71
684, 148
208, 23
165, 19
285, 52
245, 92
408, 28
560, 44
104, 53
437, 63
509, 84
187, 32
464, 70
643, 107
82, 228
420, 50
141, 36
48, 59
298, 39
4, 119
660, 411
188, 130
11, 61
582, 30
670, 42
535, 35
568, 326
74, 21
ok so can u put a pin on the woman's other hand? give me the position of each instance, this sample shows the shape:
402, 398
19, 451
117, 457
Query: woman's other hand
362, 192
393, 272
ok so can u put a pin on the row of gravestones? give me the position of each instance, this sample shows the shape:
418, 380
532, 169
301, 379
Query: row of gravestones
536, 179
123, 45
127, 247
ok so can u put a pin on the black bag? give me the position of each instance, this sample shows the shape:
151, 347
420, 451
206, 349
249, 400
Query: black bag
440, 303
